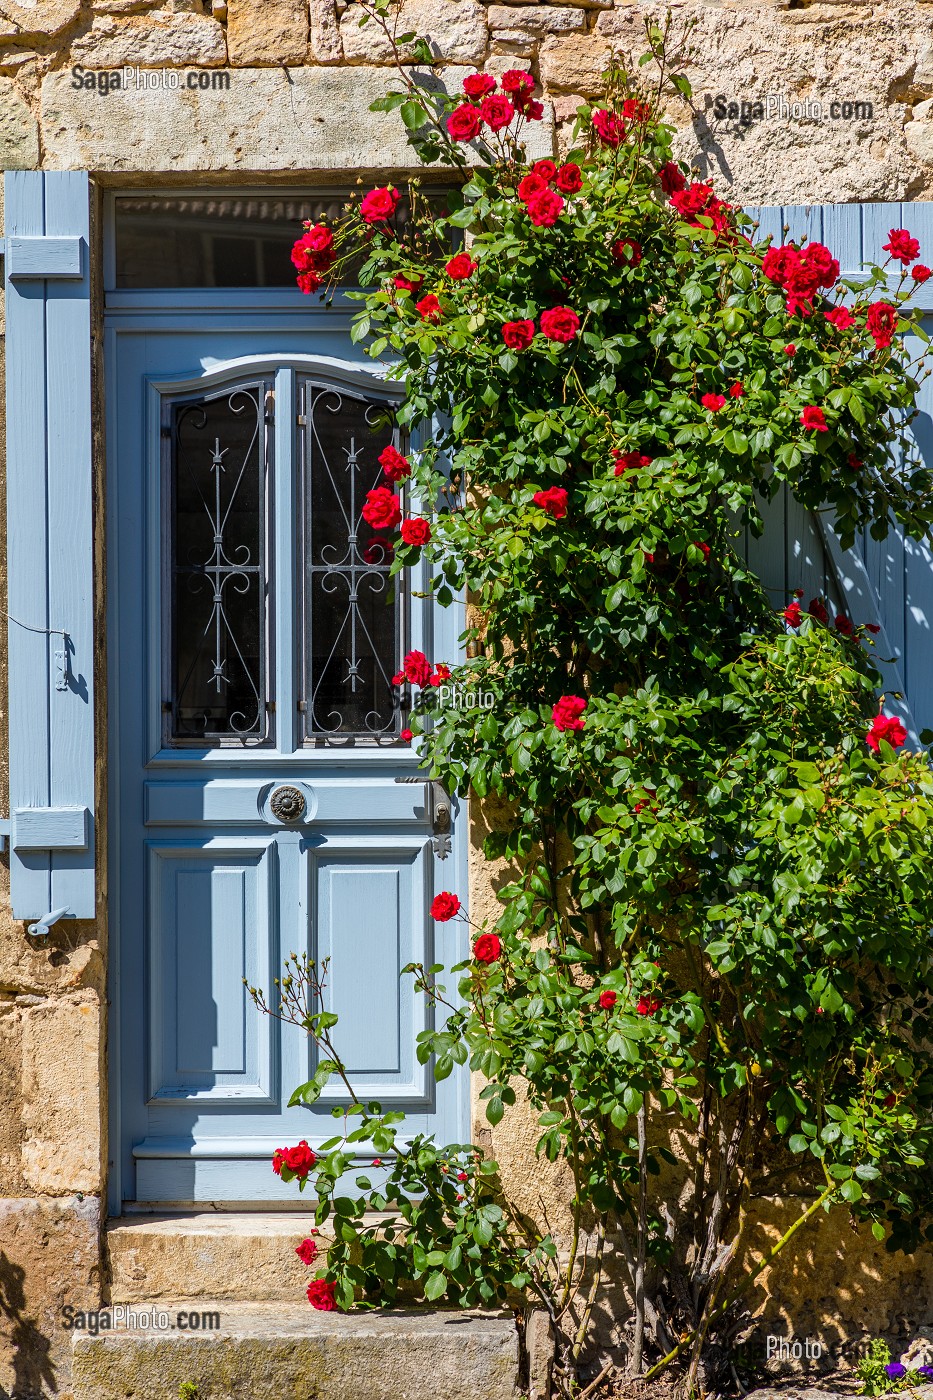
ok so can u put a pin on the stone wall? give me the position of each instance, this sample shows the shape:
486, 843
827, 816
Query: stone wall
236, 88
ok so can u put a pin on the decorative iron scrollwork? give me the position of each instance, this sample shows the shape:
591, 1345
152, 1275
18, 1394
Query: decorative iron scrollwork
287, 804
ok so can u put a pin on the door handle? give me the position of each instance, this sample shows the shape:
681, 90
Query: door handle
440, 813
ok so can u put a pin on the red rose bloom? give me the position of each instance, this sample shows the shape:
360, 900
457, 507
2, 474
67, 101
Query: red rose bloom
714, 402
568, 712
278, 1159
920, 273
902, 246
777, 263
635, 111
627, 251
843, 625
298, 1160
647, 1006
626, 461
308, 282
814, 419
416, 668
496, 111
479, 85
321, 1295
817, 608
872, 627
840, 317
546, 169
444, 906
736, 392
394, 465
307, 1251
382, 509
881, 323
887, 727
314, 251
378, 552
406, 736
532, 111
703, 548
693, 200
545, 208
464, 122
560, 323
790, 350
380, 204
607, 1000
553, 500
517, 82
429, 308
608, 127
416, 531
569, 179
531, 185
406, 284
671, 178
460, 267
792, 614
518, 335
440, 674
487, 948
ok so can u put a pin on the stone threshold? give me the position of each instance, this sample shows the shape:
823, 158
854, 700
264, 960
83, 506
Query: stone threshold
270, 1351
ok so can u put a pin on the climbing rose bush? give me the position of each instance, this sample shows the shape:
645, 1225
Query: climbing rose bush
721, 889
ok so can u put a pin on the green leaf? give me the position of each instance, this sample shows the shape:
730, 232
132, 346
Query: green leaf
435, 1286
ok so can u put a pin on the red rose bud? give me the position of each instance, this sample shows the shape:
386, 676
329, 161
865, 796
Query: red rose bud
887, 727
394, 465
607, 1000
569, 180
518, 335
444, 906
382, 509
714, 402
379, 205
553, 500
462, 1176
406, 736
460, 267
560, 323
416, 531
487, 948
736, 392
307, 1251
790, 349
568, 712
902, 246
814, 419
321, 1295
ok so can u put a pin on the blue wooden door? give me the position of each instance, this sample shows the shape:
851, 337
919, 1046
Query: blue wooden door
262, 800
887, 582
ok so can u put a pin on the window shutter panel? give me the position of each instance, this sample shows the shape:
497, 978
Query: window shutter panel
50, 543
887, 582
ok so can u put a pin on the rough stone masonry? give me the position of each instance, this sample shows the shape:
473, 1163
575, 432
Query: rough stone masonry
302, 75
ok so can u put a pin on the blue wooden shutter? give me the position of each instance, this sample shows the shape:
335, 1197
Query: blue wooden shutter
50, 543
887, 582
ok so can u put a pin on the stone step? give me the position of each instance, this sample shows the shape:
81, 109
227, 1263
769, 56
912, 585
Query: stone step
247, 1257
267, 1351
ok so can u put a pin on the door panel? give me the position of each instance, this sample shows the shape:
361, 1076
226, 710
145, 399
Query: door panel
215, 875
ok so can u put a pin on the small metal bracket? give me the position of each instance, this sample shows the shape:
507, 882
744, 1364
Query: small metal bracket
5, 825
439, 811
41, 928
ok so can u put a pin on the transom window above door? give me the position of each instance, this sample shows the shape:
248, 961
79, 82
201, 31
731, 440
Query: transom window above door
277, 596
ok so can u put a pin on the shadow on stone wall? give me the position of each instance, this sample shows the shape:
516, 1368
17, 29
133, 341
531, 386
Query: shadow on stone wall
33, 1371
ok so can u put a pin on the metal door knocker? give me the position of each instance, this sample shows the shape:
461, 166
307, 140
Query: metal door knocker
287, 804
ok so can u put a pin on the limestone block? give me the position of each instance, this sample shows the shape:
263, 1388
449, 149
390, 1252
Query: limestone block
456, 33
151, 41
49, 1256
267, 31
40, 16
537, 20
61, 1094
314, 119
19, 132
326, 45
574, 64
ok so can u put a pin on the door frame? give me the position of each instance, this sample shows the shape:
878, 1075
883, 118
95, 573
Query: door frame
187, 311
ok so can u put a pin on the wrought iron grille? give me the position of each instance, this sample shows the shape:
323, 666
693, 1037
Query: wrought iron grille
217, 475
353, 623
